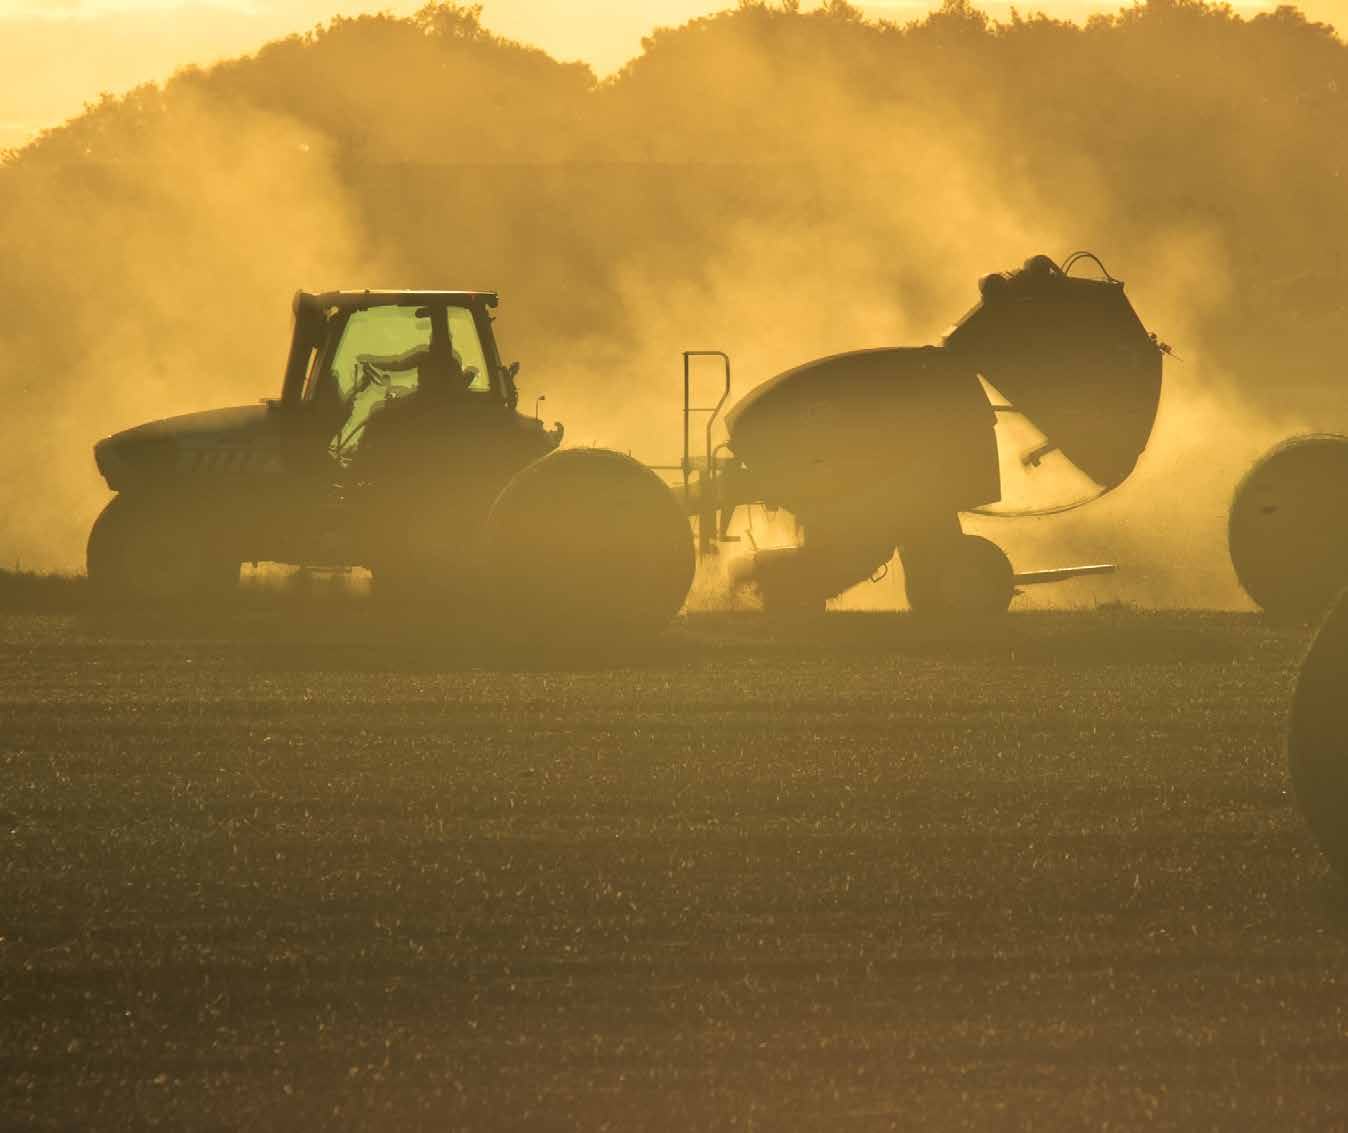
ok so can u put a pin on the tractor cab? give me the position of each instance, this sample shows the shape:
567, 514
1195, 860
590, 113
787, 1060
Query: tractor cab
396, 426
354, 354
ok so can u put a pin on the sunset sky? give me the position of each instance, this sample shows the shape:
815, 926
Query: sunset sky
57, 54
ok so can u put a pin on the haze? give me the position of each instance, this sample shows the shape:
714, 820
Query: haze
57, 55
849, 185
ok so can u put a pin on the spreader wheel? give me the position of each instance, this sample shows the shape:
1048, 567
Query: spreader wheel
966, 577
1317, 743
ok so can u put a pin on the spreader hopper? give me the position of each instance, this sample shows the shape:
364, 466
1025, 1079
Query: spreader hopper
1070, 354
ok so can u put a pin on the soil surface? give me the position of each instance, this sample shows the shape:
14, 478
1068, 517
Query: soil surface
315, 871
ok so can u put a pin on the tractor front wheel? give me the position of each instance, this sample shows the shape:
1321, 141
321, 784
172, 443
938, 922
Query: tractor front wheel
149, 550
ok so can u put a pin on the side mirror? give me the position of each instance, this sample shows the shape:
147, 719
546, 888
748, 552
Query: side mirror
512, 391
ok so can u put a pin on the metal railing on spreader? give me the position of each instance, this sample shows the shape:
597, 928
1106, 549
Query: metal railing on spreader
701, 497
706, 512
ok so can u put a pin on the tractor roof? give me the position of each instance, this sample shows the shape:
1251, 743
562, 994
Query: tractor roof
357, 300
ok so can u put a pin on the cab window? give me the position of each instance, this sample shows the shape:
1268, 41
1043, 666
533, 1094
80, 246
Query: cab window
380, 358
375, 362
468, 349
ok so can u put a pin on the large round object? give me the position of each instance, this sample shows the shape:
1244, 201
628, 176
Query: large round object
588, 545
1071, 354
1317, 744
889, 432
967, 577
1288, 527
146, 549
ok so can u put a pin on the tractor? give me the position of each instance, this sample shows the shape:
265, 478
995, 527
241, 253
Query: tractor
397, 445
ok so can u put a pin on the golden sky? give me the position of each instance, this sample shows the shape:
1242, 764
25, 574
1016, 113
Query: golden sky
57, 54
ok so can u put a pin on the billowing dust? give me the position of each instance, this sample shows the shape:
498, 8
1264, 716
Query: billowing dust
793, 208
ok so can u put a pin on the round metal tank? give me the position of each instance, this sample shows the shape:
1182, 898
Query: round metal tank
907, 431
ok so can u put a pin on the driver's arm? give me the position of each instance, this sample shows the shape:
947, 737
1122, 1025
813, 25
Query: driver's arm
396, 363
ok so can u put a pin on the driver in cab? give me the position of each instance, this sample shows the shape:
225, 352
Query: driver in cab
401, 429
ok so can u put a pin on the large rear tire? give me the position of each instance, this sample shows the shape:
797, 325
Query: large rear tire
588, 546
1287, 531
1317, 742
148, 550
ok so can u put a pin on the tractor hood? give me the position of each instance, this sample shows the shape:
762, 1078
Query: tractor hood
223, 442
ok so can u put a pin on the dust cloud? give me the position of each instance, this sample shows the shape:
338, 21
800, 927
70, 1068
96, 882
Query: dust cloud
154, 283
775, 183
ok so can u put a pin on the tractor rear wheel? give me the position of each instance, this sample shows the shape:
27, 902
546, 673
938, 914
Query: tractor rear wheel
587, 546
147, 549
965, 577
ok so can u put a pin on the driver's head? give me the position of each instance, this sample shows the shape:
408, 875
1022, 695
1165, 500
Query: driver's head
445, 369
